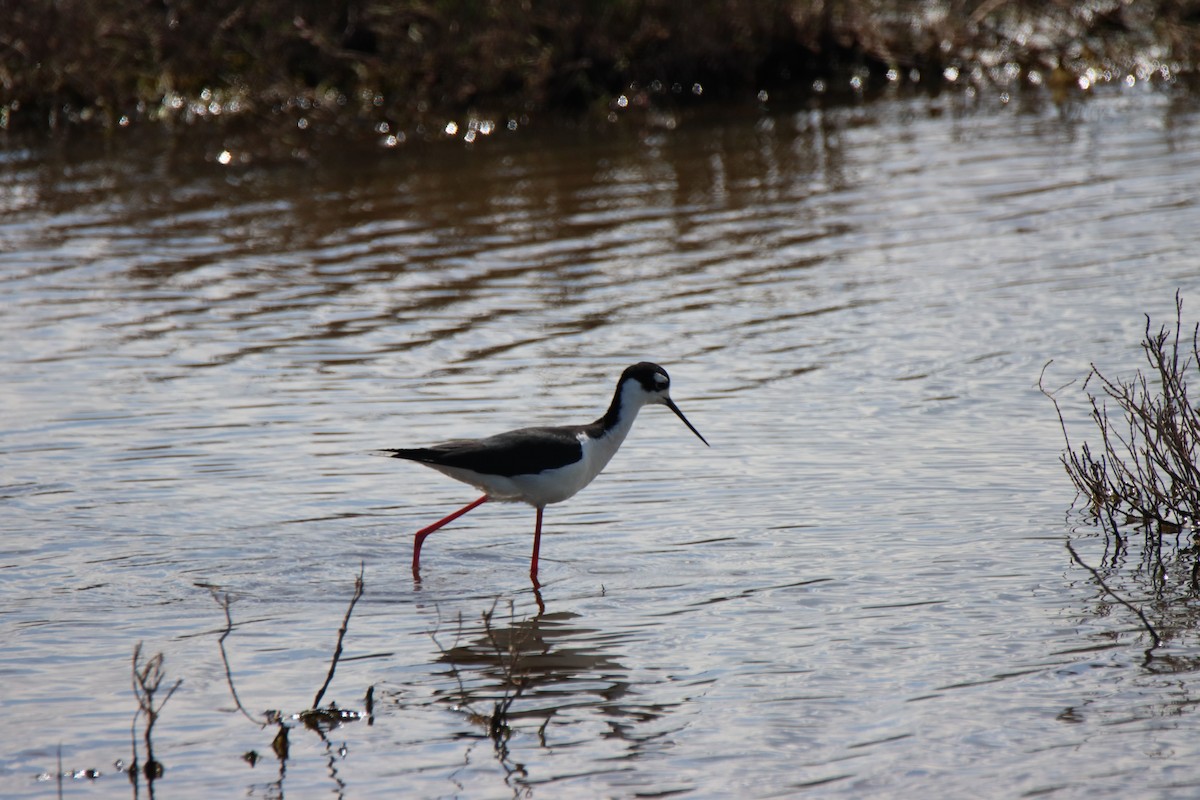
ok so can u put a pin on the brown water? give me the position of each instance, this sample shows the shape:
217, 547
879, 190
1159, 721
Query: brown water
861, 590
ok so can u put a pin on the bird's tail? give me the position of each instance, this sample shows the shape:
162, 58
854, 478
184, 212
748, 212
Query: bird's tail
388, 453
414, 454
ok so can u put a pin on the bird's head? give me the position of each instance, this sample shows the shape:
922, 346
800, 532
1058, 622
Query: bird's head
651, 385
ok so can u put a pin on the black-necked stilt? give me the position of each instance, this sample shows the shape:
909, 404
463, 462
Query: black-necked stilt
541, 466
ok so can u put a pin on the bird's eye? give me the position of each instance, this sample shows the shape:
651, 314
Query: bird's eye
660, 380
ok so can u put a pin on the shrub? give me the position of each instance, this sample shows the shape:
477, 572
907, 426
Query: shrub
1144, 471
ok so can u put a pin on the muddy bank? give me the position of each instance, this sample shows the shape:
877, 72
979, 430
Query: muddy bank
389, 69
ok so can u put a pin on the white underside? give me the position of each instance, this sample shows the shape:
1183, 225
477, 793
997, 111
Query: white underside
554, 485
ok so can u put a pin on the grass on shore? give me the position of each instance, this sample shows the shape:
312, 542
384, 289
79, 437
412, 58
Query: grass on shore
370, 67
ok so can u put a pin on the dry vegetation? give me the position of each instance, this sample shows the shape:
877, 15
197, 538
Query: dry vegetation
1139, 484
355, 66
1143, 472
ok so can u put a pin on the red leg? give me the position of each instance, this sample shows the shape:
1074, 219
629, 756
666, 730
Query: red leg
537, 545
421, 534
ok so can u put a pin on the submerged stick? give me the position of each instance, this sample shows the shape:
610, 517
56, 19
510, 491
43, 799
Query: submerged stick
337, 653
147, 680
224, 601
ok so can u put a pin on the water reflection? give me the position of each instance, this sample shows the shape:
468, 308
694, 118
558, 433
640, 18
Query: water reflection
861, 587
239, 262
1153, 578
541, 679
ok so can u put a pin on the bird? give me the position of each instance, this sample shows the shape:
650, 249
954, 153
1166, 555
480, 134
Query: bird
542, 465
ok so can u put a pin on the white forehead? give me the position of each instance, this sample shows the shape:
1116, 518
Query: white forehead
660, 380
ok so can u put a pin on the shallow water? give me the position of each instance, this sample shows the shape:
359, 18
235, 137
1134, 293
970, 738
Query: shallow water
861, 590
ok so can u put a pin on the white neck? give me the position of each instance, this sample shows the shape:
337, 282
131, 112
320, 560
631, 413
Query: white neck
617, 422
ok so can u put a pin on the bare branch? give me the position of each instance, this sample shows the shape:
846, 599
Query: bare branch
337, 653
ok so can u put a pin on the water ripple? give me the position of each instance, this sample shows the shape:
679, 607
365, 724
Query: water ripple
859, 590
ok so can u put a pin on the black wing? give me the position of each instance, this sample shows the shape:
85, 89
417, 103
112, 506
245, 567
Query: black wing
522, 452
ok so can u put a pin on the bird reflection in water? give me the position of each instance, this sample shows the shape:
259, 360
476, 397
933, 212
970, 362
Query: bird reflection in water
509, 671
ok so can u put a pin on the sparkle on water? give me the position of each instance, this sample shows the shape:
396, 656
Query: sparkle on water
860, 590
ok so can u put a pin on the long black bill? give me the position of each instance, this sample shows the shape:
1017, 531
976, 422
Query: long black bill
671, 405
